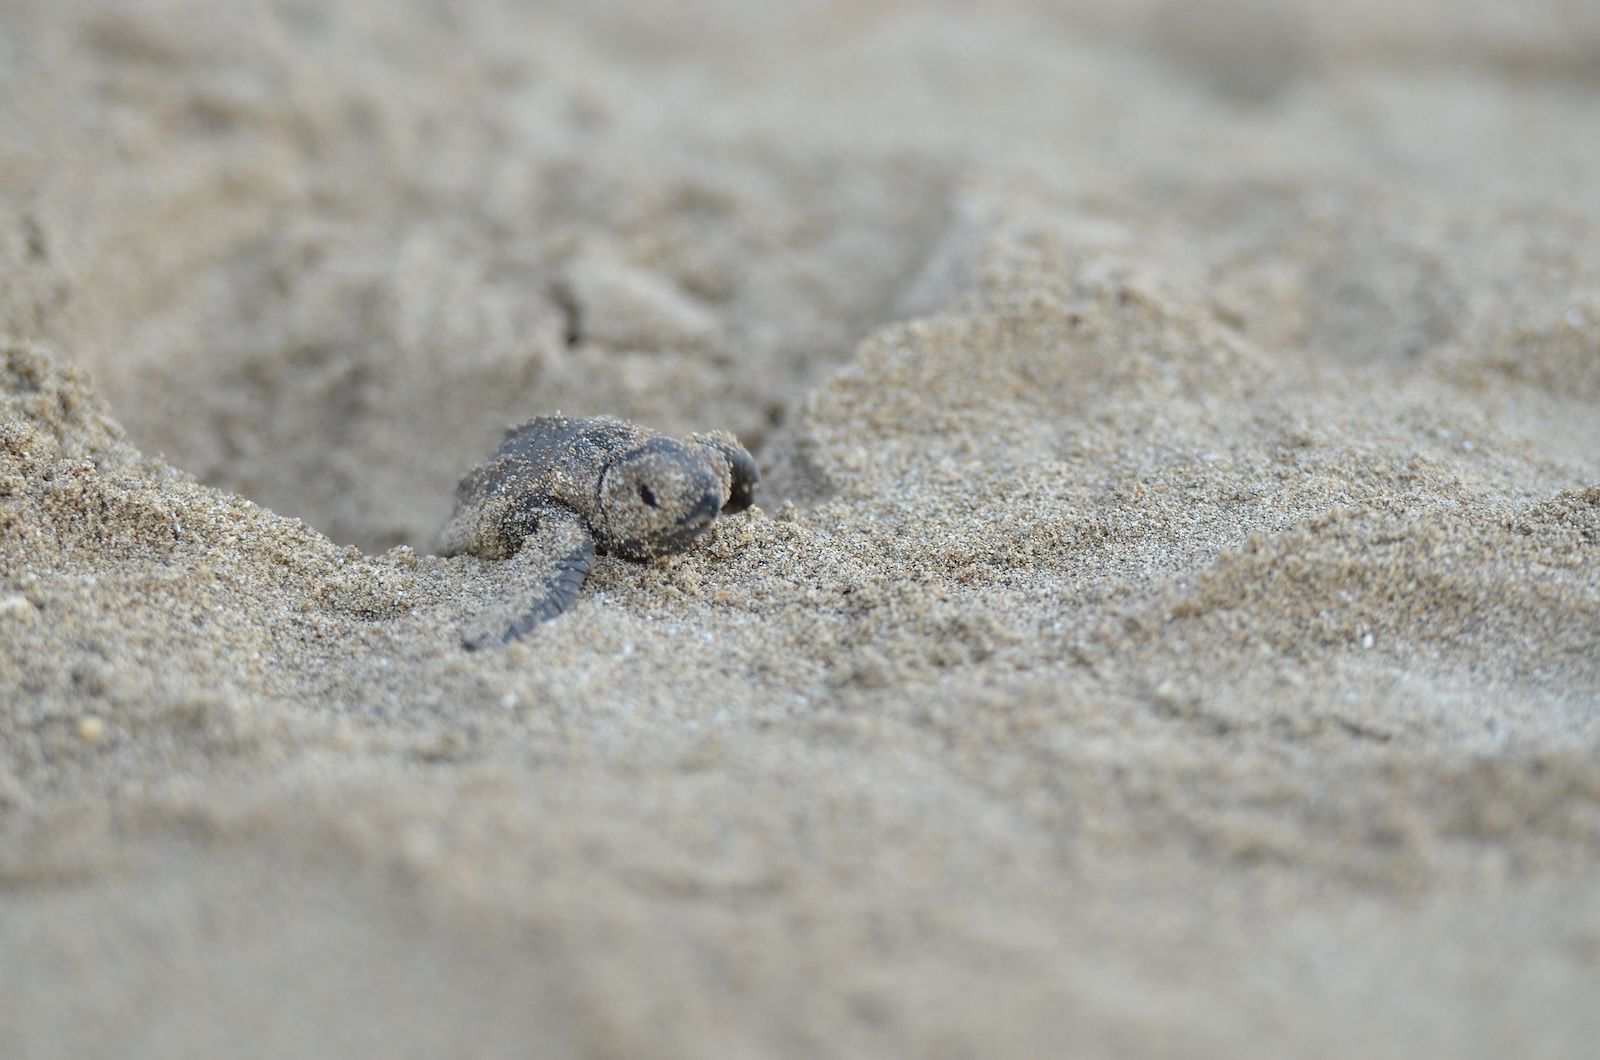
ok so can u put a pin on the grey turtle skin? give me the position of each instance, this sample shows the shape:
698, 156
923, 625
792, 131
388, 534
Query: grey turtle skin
559, 490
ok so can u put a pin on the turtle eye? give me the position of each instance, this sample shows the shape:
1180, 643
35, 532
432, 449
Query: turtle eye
647, 496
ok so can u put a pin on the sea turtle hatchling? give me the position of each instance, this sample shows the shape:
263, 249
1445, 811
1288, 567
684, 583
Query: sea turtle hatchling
558, 490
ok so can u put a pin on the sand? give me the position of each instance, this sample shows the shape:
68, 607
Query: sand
1170, 625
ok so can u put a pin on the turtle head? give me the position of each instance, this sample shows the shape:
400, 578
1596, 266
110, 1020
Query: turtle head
656, 499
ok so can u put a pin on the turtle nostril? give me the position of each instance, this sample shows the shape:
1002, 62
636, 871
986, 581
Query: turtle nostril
647, 496
708, 507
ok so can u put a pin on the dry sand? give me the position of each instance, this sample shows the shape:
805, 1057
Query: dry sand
1171, 624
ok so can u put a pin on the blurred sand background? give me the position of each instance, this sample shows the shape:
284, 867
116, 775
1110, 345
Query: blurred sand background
1171, 625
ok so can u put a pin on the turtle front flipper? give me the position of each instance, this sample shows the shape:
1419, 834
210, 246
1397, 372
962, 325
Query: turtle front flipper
543, 579
743, 477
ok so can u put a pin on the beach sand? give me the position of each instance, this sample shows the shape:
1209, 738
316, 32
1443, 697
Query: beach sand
1170, 623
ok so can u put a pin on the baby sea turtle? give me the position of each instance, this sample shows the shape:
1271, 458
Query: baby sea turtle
558, 490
